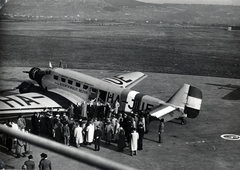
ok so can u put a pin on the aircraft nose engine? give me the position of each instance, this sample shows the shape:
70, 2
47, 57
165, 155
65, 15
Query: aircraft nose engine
37, 74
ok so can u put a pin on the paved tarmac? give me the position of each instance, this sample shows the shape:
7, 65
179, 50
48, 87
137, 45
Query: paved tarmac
197, 145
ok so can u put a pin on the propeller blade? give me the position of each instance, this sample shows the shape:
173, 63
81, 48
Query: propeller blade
50, 64
26, 72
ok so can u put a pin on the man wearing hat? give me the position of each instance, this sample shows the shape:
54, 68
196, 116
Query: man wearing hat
44, 163
97, 137
30, 164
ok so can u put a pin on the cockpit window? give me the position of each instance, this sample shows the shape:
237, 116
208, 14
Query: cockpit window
70, 81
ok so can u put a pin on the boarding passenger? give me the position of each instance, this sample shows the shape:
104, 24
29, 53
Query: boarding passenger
70, 111
117, 105
84, 109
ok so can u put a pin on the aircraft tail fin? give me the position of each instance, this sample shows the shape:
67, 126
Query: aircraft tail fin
188, 99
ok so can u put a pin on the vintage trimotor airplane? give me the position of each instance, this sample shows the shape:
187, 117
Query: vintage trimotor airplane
59, 87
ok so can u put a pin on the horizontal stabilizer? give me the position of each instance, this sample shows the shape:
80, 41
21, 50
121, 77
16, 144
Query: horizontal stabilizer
161, 111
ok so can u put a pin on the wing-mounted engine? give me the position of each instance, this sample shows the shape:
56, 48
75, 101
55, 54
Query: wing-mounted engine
25, 86
28, 86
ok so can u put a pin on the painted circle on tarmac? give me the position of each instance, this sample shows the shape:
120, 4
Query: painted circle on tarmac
230, 137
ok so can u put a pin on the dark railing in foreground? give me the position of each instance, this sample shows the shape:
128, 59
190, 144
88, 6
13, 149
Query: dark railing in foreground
76, 154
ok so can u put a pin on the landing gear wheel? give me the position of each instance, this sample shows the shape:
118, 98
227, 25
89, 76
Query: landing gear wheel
183, 121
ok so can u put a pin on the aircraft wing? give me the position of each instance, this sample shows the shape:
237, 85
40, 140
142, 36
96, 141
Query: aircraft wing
70, 96
127, 80
26, 104
29, 103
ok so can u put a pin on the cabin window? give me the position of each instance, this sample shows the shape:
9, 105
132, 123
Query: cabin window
55, 77
78, 84
70, 82
63, 79
85, 87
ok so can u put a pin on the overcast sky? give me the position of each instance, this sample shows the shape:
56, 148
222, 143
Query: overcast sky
219, 2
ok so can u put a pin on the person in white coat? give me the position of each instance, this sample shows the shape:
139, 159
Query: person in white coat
90, 133
134, 142
78, 135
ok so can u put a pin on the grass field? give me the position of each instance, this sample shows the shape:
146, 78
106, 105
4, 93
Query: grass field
131, 47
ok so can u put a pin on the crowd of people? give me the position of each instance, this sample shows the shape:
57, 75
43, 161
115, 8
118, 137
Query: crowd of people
75, 128
86, 131
21, 147
87, 124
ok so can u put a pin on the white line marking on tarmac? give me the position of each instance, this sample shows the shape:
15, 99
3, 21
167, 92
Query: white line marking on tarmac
196, 142
230, 137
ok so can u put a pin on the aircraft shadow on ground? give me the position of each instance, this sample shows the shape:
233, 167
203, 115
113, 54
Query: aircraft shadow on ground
233, 95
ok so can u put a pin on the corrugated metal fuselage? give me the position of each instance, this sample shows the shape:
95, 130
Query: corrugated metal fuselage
88, 88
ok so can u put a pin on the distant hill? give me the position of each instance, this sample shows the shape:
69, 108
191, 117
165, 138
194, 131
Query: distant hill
121, 11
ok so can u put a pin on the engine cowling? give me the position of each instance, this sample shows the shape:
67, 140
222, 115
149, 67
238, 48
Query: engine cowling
37, 74
28, 86
25, 87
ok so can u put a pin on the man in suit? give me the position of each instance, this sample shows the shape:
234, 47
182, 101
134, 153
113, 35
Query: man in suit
97, 137
44, 163
30, 164
66, 134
